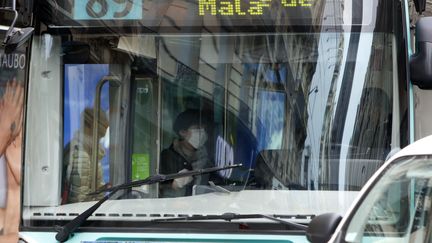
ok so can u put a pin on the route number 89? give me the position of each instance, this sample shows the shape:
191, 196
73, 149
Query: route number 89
107, 9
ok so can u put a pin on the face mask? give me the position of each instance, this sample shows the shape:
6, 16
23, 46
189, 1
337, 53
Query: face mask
198, 137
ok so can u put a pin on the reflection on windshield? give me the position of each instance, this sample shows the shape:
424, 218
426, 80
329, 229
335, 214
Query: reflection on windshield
299, 111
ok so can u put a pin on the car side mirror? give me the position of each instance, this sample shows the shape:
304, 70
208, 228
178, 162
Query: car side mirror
421, 61
322, 227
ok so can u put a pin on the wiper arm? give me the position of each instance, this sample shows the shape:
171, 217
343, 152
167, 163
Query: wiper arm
65, 231
233, 216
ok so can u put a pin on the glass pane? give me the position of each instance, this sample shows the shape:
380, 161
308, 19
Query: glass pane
81, 92
277, 104
144, 131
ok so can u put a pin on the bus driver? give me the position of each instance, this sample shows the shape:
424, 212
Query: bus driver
187, 152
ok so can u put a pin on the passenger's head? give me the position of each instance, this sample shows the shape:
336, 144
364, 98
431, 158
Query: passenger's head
87, 118
190, 126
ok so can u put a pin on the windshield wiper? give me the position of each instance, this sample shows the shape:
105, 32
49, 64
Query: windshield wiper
233, 216
65, 231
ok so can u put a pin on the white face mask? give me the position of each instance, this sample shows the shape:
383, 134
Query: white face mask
198, 137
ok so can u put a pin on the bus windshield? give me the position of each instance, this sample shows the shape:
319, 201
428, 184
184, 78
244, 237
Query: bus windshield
309, 96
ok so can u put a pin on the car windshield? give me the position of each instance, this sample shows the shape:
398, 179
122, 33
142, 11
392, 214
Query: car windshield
309, 103
397, 207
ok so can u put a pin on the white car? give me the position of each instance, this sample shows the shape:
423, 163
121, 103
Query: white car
394, 206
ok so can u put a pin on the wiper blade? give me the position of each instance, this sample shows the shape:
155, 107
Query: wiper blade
65, 231
160, 178
233, 216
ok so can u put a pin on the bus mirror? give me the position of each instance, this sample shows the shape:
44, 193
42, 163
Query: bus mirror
17, 38
322, 227
421, 61
420, 5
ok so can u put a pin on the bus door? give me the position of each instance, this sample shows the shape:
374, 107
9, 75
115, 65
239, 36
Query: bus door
92, 93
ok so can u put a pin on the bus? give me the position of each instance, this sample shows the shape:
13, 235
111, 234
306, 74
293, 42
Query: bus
207, 120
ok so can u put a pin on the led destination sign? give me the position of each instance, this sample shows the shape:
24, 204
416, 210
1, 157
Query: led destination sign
244, 8
135, 9
216, 16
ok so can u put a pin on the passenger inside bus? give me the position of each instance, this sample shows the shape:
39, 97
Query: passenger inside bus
186, 152
77, 159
